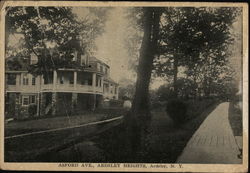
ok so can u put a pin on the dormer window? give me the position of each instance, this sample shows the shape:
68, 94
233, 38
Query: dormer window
61, 79
33, 58
74, 56
83, 60
33, 80
98, 66
25, 79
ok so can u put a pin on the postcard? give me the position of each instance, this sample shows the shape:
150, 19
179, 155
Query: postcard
124, 86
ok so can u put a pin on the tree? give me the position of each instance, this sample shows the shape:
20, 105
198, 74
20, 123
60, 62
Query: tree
44, 28
137, 121
196, 39
186, 89
126, 92
151, 19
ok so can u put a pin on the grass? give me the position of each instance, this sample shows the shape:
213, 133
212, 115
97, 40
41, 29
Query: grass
168, 140
164, 141
42, 147
26, 126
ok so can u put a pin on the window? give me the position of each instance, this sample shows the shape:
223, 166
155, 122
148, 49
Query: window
100, 84
101, 68
75, 56
25, 79
33, 99
71, 81
83, 60
97, 81
11, 79
115, 90
33, 80
61, 79
98, 66
89, 81
111, 88
25, 101
106, 71
33, 59
71, 78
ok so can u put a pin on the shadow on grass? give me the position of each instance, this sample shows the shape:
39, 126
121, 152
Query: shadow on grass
160, 142
163, 143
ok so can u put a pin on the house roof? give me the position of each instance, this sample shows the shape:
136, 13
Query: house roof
94, 59
110, 80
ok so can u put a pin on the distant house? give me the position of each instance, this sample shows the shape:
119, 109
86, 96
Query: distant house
66, 91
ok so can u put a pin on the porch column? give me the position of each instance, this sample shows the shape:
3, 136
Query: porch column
94, 95
30, 79
18, 103
102, 83
21, 79
110, 89
75, 79
94, 81
42, 104
38, 104
53, 106
92, 100
74, 103
42, 80
18, 80
54, 79
117, 90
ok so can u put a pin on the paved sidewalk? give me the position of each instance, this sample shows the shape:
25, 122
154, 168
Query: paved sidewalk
213, 142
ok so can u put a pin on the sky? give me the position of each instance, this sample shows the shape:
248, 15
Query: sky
111, 49
110, 46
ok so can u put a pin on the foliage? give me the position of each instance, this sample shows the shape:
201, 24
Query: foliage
32, 109
115, 103
53, 34
177, 110
126, 92
193, 43
186, 89
165, 92
195, 107
195, 39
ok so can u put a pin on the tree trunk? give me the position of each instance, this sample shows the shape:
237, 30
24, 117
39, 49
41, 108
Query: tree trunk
138, 121
141, 105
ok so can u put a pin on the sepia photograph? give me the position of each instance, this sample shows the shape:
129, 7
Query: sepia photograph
123, 86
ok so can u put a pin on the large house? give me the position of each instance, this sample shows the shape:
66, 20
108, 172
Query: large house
65, 90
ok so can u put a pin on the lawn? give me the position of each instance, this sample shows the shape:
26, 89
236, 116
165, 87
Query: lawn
34, 147
45, 123
164, 141
107, 143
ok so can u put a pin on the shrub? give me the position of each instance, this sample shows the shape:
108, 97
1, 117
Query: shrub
32, 110
177, 110
116, 103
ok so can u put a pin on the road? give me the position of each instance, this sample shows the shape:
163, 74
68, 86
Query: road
213, 142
